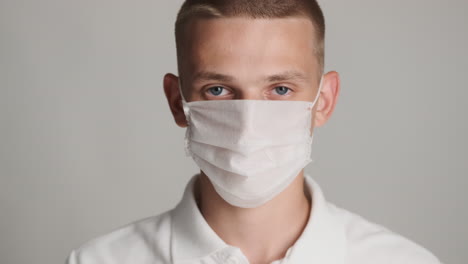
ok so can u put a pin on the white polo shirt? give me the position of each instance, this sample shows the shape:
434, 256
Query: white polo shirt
182, 236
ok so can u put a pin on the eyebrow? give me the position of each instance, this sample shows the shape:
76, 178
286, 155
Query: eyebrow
286, 76
214, 76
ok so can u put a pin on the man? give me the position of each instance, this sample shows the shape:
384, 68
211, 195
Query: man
250, 92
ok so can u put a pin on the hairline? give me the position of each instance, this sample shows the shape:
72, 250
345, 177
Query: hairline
200, 12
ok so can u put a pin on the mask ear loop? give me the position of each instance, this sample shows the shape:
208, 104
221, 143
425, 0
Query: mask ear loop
184, 102
311, 105
187, 118
311, 138
318, 92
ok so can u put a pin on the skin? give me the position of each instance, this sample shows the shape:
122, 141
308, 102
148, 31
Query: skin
262, 59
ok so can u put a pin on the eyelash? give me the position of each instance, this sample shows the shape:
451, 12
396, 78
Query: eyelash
224, 88
288, 91
211, 87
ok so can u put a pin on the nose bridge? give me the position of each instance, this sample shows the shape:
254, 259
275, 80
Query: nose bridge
249, 123
246, 117
250, 93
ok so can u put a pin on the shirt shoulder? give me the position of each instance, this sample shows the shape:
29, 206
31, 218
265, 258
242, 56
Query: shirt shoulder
143, 241
370, 243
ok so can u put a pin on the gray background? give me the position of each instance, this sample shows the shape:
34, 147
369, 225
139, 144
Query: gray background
88, 144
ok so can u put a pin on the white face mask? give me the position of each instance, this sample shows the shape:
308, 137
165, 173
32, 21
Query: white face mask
251, 150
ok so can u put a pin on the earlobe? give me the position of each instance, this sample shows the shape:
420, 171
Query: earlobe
174, 99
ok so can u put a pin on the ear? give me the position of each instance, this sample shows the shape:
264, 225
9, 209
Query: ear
328, 98
171, 89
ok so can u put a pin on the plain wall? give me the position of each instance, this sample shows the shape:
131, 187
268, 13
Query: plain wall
88, 144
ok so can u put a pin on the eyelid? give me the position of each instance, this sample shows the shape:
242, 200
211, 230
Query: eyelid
287, 85
290, 90
208, 87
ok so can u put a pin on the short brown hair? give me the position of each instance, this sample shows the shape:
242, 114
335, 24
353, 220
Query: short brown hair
192, 9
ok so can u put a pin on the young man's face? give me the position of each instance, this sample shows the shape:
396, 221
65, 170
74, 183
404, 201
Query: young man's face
246, 58
242, 58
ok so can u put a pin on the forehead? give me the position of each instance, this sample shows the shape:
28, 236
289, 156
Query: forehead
250, 42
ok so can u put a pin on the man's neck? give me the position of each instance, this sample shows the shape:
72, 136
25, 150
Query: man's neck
265, 233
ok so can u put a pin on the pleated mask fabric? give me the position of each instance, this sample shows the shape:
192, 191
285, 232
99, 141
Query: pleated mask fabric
251, 150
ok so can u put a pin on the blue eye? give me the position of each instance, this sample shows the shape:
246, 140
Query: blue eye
281, 90
216, 90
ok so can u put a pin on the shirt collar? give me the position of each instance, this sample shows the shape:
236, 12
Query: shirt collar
322, 241
192, 237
